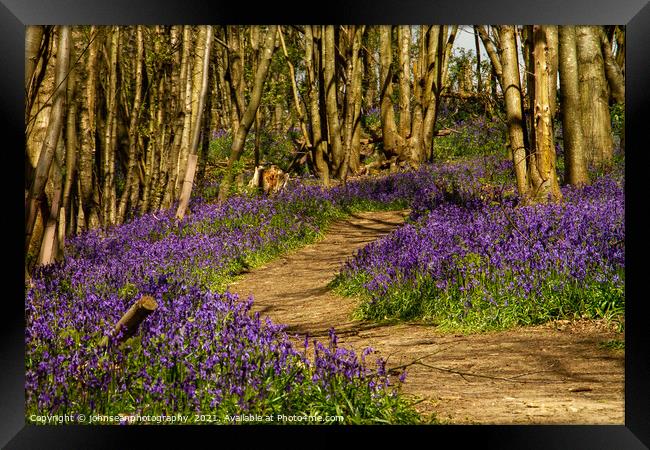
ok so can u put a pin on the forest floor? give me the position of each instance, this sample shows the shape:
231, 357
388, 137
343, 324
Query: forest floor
558, 373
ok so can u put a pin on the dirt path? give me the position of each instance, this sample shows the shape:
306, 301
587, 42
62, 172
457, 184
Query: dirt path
556, 373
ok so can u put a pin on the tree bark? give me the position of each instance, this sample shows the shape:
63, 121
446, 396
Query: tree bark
513, 101
613, 71
239, 139
404, 40
89, 207
46, 155
199, 90
33, 39
319, 151
110, 134
492, 52
596, 121
331, 102
131, 320
552, 60
392, 145
352, 97
131, 179
574, 146
543, 158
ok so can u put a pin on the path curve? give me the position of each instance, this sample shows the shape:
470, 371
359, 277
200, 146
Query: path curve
557, 373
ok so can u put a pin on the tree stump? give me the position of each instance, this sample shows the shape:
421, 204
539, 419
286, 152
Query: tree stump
132, 319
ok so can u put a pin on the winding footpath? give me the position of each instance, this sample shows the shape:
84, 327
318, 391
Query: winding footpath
558, 373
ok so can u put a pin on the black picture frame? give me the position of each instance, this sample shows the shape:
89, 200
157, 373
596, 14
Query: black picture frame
16, 14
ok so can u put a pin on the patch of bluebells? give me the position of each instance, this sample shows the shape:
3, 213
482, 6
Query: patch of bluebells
201, 350
472, 250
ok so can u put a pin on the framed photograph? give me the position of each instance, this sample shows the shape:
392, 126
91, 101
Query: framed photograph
137, 116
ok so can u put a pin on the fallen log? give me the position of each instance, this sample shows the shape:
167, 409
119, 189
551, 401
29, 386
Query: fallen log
131, 320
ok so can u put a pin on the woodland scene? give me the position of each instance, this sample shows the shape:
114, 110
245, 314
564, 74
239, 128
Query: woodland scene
325, 224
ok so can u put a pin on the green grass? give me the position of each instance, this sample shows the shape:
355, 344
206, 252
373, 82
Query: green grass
454, 311
612, 344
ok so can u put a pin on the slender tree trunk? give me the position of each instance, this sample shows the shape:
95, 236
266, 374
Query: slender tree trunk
491, 51
199, 90
352, 88
370, 69
513, 101
110, 134
249, 115
88, 128
596, 121
33, 39
477, 46
404, 40
613, 71
131, 178
70, 148
435, 85
543, 157
574, 146
331, 103
319, 151
419, 81
296, 95
187, 120
392, 144
552, 60
46, 155
181, 112
619, 57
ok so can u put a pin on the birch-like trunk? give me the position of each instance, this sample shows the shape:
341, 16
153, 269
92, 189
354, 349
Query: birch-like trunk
199, 90
319, 146
50, 143
331, 103
594, 98
543, 157
513, 102
239, 138
575, 168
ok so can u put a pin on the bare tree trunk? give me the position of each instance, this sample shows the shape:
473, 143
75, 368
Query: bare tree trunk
352, 89
404, 40
596, 121
513, 101
390, 136
33, 39
613, 71
249, 115
319, 151
420, 93
543, 157
479, 81
70, 148
47, 246
187, 118
131, 179
435, 84
296, 95
46, 155
491, 51
574, 150
619, 57
88, 128
331, 103
110, 134
199, 90
552, 60
370, 69
180, 112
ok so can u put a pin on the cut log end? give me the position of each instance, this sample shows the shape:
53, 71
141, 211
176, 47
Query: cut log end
132, 319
